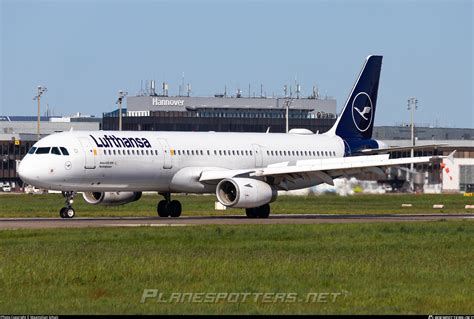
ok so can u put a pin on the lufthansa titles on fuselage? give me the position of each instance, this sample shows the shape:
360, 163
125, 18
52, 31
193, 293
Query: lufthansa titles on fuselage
113, 141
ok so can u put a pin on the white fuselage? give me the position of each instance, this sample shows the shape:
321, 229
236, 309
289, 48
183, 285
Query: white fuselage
163, 161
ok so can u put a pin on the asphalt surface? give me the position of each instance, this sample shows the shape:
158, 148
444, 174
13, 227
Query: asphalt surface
83, 222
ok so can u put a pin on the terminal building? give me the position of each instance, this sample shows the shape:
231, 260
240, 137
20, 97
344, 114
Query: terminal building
222, 113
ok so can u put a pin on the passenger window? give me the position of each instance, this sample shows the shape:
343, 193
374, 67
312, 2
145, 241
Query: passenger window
32, 150
64, 150
43, 150
55, 151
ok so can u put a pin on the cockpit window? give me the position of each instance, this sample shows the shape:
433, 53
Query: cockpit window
55, 151
64, 150
32, 150
43, 150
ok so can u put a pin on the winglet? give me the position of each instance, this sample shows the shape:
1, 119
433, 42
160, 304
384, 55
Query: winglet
451, 156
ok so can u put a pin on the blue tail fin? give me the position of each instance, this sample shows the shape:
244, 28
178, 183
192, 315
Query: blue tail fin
357, 118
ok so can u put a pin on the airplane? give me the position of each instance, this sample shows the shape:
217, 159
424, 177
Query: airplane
244, 170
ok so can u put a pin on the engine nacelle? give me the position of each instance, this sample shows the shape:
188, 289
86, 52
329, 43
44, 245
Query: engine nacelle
245, 192
111, 198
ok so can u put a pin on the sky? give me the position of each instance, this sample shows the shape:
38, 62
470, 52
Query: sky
85, 51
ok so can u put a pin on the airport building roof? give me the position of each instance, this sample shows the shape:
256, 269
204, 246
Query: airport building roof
184, 103
25, 127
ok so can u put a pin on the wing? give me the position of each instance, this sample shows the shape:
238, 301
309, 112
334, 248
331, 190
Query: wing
399, 148
322, 170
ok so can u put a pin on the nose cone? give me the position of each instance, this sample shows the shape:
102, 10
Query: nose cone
27, 172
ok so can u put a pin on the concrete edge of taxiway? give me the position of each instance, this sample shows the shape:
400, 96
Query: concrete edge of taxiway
84, 222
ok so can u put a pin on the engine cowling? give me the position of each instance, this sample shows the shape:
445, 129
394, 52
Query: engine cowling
111, 198
245, 192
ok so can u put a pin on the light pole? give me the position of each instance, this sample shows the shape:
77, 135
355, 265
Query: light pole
412, 105
122, 94
287, 117
288, 101
41, 90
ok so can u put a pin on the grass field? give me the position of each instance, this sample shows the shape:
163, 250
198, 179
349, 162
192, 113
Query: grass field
48, 205
411, 268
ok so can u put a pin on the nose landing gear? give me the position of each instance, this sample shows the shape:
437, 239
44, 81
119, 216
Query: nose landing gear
68, 211
168, 207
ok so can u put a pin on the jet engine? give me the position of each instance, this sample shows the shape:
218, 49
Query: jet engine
111, 198
245, 192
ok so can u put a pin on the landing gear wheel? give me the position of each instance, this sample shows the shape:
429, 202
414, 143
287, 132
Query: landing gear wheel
168, 207
251, 212
174, 208
263, 211
69, 212
162, 209
258, 212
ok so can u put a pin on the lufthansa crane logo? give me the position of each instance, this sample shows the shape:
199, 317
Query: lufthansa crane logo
362, 111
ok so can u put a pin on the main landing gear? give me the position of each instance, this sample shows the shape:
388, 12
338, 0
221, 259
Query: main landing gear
258, 212
168, 207
68, 211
